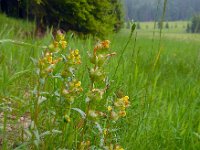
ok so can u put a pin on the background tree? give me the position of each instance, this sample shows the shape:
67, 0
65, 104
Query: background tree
138, 26
146, 10
167, 25
188, 29
85, 16
195, 27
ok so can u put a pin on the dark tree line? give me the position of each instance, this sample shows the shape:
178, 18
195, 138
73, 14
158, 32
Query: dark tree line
97, 17
146, 10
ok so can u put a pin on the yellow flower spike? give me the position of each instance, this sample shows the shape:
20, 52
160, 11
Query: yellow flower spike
63, 44
66, 119
109, 108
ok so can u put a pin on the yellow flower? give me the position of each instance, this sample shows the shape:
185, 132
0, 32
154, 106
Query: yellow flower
109, 108
60, 36
118, 148
105, 43
78, 84
55, 43
76, 52
63, 44
105, 131
122, 113
126, 100
56, 60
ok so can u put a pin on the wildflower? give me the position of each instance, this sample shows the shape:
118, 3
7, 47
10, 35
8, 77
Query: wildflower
74, 57
119, 103
109, 108
118, 147
78, 84
97, 47
126, 101
55, 43
122, 113
105, 131
76, 52
63, 44
114, 116
105, 44
102, 45
56, 60
60, 36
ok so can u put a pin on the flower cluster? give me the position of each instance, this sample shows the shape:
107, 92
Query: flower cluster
97, 111
98, 58
60, 65
59, 43
72, 89
101, 110
102, 45
47, 63
74, 57
119, 108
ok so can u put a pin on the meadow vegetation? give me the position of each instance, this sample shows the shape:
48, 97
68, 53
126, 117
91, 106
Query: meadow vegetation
161, 77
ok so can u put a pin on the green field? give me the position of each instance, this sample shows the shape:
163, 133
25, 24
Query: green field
161, 77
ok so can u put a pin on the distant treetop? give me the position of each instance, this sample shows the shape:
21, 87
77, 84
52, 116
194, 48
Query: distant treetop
146, 10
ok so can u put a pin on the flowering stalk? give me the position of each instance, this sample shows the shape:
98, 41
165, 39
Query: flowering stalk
59, 66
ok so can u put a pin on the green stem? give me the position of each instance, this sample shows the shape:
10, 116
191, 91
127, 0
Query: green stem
122, 53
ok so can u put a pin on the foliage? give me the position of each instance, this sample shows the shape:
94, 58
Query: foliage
195, 27
167, 25
188, 29
160, 24
85, 16
138, 25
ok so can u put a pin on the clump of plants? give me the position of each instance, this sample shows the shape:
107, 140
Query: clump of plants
63, 114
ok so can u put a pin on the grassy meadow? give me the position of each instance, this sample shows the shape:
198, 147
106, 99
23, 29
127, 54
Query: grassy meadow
161, 76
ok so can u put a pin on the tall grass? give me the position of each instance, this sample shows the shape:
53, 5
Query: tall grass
165, 102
